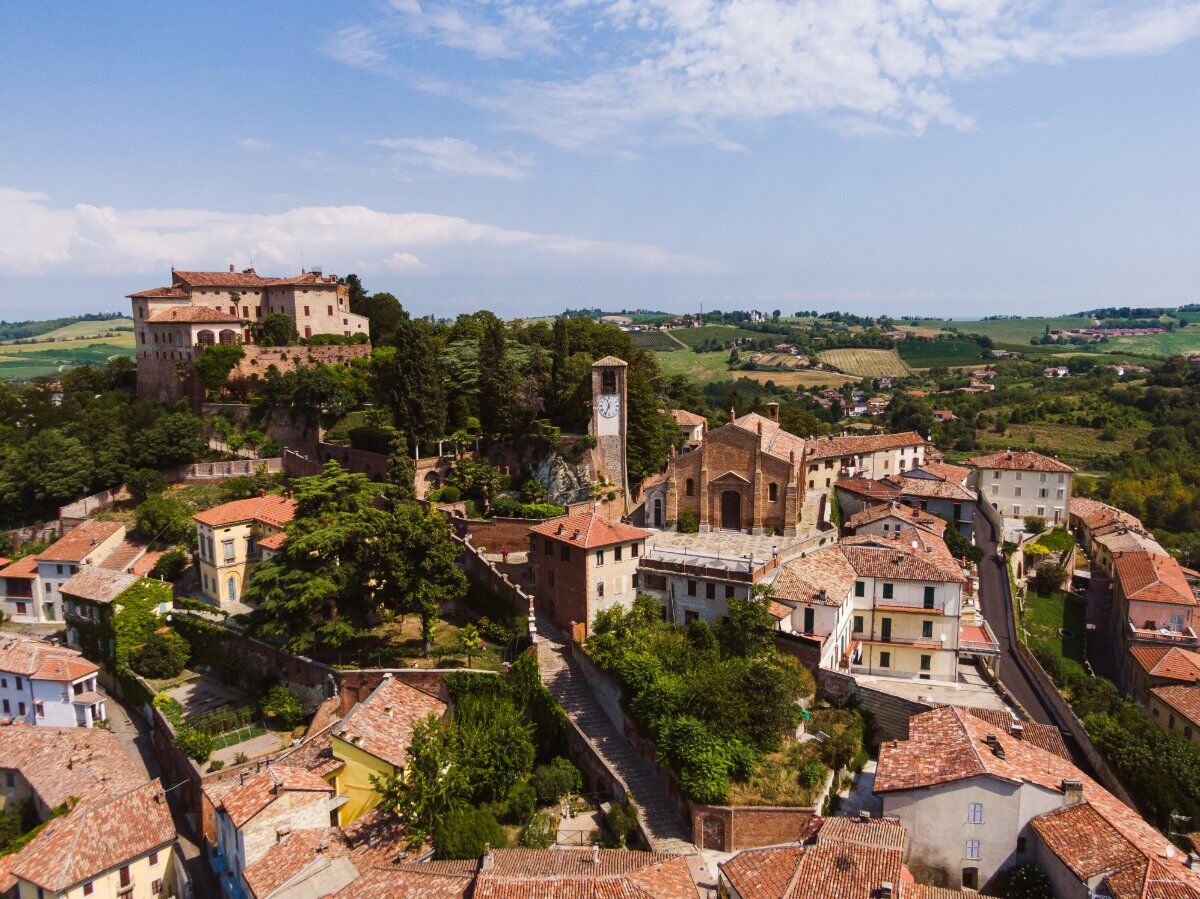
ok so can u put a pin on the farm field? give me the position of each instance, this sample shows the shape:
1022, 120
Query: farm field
655, 341
699, 367
693, 337
865, 363
801, 377
113, 329
31, 360
931, 353
1007, 330
1075, 445
1186, 341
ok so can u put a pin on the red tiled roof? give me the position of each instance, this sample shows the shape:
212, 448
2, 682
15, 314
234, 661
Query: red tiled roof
1044, 736
589, 530
882, 833
173, 292
773, 440
912, 516
245, 801
248, 278
1092, 511
1170, 662
571, 873
686, 419
931, 488
62, 763
92, 840
1150, 577
42, 661
421, 880
875, 490
273, 541
270, 509
610, 360
1020, 460
803, 579
192, 315
836, 447
830, 870
382, 724
1183, 698
79, 542
98, 584
25, 567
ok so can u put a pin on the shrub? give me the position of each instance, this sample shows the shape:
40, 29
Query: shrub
1034, 524
465, 832
145, 482
556, 779
282, 707
163, 655
812, 773
539, 833
688, 523
171, 708
621, 820
196, 745
1026, 881
241, 758
521, 802
447, 494
1048, 578
1036, 551
216, 765
170, 565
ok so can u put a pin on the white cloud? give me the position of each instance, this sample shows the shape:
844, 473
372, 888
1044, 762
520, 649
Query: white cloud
253, 144
638, 71
452, 156
37, 237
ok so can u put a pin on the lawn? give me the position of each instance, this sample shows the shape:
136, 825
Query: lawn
697, 367
931, 353
693, 337
865, 363
1058, 540
1047, 617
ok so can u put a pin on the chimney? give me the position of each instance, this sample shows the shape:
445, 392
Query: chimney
1072, 792
595, 853
1193, 861
282, 832
773, 411
1018, 731
322, 847
488, 861
864, 815
822, 596
231, 268
760, 429
886, 890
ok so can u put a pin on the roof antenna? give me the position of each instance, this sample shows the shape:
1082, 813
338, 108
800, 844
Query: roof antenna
302, 262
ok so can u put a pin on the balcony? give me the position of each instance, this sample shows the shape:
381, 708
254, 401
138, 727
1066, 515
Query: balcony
977, 639
1186, 637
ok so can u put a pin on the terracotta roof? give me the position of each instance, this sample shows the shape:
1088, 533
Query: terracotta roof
773, 440
830, 870
1183, 698
957, 474
248, 278
23, 568
78, 543
382, 724
421, 880
883, 833
947, 745
42, 661
98, 584
894, 556
836, 447
1020, 460
192, 315
62, 763
273, 541
174, 292
315, 753
589, 530
1092, 509
291, 856
803, 579
270, 509
880, 491
1149, 577
931, 488
611, 360
686, 419
92, 840
245, 801
1170, 662
571, 873
1044, 736
908, 514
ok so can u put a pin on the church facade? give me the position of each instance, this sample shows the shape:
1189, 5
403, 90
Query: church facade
745, 476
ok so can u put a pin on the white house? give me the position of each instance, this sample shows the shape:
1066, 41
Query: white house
88, 544
47, 685
1021, 483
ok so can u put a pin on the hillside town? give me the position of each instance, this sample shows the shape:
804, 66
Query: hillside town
345, 627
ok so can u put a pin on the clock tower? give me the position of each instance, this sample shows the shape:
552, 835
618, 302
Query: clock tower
609, 420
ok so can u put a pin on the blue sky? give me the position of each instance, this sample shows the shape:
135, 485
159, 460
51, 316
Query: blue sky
970, 157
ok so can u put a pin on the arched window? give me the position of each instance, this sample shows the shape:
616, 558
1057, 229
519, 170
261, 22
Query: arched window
608, 381
205, 338
229, 336
772, 492
689, 487
233, 589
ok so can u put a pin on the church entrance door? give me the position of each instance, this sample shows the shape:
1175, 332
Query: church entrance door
731, 510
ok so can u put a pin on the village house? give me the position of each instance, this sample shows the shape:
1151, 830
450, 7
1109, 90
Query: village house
1153, 602
229, 538
174, 324
1020, 483
95, 595
691, 425
47, 685
1153, 665
849, 858
830, 459
1177, 707
583, 564
1116, 538
563, 873
19, 581
89, 544
939, 489
1089, 518
1056, 371
977, 799
889, 519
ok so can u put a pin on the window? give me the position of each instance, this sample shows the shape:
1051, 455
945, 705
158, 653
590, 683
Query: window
88, 889
39, 709
551, 577
125, 877
690, 615
972, 850
20, 708
18, 684
156, 887
306, 312
1020, 844
858, 624
1016, 491
1177, 623
926, 662
549, 548
772, 492
970, 878
710, 590
927, 630
860, 588
21, 607
565, 553
889, 591
153, 858
885, 660
689, 487
808, 620
227, 546
599, 557
1043, 493
633, 550
329, 309
10, 779
729, 591
929, 597
600, 588
995, 475
617, 554
691, 588
8, 708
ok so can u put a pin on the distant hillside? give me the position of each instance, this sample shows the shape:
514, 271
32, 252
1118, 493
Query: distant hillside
26, 329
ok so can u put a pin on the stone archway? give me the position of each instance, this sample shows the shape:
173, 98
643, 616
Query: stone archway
731, 510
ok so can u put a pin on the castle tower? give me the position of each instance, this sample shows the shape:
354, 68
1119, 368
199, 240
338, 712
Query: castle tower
610, 419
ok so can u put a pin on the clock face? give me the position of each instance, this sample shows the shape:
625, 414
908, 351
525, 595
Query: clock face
608, 405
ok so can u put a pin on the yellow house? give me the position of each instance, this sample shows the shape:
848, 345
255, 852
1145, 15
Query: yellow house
373, 740
123, 848
230, 538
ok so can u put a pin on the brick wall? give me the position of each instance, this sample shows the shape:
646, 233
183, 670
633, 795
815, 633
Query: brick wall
497, 535
355, 686
728, 829
373, 465
287, 358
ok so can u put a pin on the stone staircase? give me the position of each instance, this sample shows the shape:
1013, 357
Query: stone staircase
657, 811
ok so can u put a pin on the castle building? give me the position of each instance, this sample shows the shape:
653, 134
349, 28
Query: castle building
174, 324
744, 476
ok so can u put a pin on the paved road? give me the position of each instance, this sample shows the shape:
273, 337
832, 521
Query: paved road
993, 599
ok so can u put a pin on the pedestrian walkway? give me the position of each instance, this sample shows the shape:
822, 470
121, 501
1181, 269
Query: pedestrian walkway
657, 811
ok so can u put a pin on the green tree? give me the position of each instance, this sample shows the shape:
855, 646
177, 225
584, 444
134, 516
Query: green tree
277, 329
556, 779
145, 482
498, 382
215, 363
466, 833
163, 655
283, 707
433, 785
470, 643
196, 745
165, 520
409, 379
747, 630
